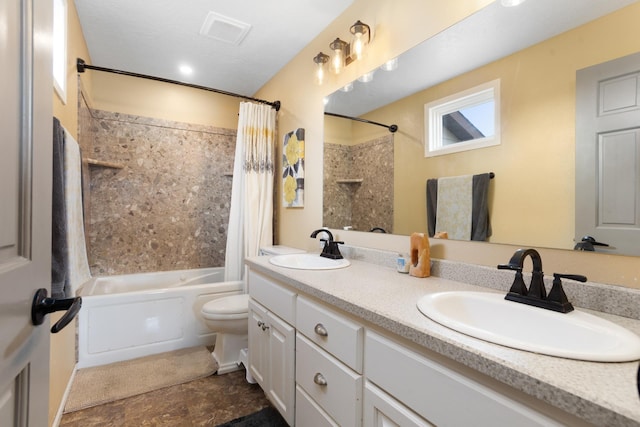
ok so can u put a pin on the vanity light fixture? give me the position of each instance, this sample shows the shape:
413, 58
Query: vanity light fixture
366, 78
320, 60
390, 65
339, 55
360, 38
347, 88
343, 53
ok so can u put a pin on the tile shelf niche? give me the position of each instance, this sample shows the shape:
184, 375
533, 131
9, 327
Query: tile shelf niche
350, 181
104, 164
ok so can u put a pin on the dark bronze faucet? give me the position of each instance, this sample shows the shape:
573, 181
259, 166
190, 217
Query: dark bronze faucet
536, 294
330, 249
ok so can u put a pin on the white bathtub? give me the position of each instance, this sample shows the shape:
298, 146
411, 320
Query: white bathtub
135, 315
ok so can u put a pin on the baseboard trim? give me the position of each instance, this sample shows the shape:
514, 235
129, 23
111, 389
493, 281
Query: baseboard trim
65, 396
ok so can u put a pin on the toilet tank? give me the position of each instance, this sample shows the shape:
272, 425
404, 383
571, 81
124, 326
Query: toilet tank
279, 250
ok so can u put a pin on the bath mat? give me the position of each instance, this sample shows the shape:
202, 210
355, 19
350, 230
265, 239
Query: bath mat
266, 417
102, 384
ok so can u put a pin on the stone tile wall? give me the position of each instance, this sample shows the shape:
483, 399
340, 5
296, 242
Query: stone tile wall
167, 208
361, 205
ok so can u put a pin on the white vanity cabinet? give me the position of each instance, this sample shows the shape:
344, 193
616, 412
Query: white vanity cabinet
272, 342
419, 391
329, 351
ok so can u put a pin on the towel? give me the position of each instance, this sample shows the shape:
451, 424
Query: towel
59, 257
455, 205
480, 225
432, 205
78, 264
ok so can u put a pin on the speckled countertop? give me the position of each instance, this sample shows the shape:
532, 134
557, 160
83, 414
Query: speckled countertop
600, 393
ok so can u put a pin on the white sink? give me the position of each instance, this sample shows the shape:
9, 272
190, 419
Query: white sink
574, 335
308, 262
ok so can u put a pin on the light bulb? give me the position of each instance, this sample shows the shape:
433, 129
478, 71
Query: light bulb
358, 47
337, 61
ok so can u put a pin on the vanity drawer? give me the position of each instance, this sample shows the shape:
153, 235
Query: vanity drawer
333, 332
278, 299
439, 394
308, 413
332, 385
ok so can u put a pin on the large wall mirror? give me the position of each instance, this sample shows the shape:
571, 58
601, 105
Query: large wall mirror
376, 181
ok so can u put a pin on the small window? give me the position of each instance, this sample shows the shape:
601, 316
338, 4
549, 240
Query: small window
60, 48
464, 121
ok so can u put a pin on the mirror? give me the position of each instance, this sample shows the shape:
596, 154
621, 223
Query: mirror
531, 51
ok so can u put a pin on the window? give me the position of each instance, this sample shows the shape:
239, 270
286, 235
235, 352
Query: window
464, 121
60, 48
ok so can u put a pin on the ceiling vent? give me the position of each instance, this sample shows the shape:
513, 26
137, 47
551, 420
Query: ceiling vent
225, 29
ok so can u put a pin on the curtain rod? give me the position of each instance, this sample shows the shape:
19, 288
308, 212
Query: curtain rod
81, 66
392, 128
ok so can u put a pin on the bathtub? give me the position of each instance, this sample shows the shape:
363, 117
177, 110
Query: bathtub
135, 315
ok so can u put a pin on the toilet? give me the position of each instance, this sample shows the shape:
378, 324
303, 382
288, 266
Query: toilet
228, 317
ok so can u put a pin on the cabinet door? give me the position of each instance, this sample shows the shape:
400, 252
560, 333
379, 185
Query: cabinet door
382, 410
281, 384
258, 343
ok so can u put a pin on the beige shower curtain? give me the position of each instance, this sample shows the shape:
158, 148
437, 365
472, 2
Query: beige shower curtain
251, 213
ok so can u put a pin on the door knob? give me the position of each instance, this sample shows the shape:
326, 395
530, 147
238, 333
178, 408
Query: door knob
42, 306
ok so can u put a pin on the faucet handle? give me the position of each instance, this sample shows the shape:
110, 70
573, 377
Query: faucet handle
557, 295
518, 286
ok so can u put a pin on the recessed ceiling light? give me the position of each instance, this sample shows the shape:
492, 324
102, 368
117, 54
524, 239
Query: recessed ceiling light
511, 3
185, 69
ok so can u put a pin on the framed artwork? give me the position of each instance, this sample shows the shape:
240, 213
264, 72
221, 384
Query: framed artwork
293, 169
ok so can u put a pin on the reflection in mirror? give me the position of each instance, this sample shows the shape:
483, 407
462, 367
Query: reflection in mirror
463, 121
358, 181
535, 56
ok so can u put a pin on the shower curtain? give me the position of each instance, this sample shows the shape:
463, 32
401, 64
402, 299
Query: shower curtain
251, 212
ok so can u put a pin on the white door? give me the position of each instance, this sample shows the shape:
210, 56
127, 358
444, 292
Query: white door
608, 155
25, 213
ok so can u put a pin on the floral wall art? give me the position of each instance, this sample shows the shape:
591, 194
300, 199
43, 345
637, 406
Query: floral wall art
293, 169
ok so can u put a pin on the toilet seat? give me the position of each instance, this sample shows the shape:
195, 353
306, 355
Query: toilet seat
229, 308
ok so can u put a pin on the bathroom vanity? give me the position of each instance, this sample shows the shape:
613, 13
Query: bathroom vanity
349, 347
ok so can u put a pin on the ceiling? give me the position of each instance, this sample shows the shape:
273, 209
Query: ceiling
156, 37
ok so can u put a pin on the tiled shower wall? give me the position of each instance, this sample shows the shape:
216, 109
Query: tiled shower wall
167, 208
362, 205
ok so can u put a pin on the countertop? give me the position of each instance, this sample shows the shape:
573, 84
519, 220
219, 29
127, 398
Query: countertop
600, 393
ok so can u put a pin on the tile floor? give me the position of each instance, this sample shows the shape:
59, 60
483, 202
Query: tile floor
206, 402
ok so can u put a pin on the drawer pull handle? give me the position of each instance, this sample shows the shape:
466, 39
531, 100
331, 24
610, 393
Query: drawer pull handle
321, 330
320, 379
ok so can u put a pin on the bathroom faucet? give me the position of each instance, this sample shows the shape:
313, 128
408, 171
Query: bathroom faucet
536, 294
330, 249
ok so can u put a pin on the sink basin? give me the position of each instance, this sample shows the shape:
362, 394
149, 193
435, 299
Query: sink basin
575, 335
308, 262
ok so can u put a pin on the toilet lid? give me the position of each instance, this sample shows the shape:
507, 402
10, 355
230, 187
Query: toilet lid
234, 304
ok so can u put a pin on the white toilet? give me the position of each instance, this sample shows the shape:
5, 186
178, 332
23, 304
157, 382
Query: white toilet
228, 317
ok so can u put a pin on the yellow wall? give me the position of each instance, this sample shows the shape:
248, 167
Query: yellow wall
555, 121
63, 344
149, 98
534, 164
